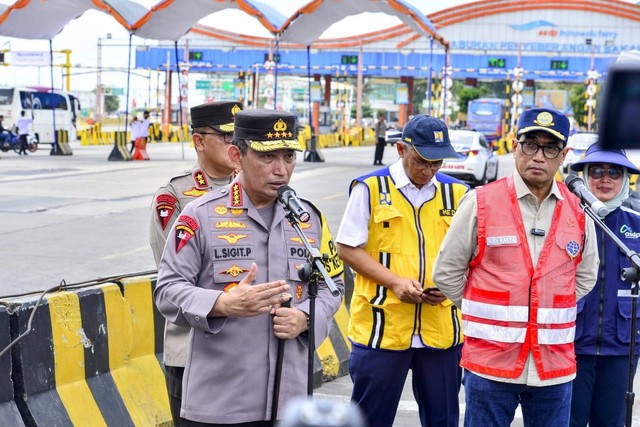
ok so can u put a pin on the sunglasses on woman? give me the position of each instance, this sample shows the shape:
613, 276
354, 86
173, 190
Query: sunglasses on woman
598, 172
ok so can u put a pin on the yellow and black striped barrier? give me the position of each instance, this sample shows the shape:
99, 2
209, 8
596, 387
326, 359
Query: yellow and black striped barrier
332, 356
9, 413
61, 146
92, 357
120, 152
81, 363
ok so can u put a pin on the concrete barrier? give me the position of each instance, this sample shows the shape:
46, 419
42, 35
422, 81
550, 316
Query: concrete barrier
79, 365
120, 152
93, 357
333, 354
9, 413
61, 147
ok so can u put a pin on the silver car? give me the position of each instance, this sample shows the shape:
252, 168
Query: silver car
478, 164
577, 145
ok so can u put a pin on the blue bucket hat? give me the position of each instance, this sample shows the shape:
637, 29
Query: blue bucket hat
430, 137
545, 119
597, 154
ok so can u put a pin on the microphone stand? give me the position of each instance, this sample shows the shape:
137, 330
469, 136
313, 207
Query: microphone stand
310, 272
629, 275
278, 374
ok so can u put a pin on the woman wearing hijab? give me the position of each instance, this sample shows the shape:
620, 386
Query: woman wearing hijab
604, 315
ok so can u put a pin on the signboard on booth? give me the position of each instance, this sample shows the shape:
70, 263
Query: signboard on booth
316, 92
402, 93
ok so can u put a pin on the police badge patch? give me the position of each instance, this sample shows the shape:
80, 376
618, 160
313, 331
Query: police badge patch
165, 205
573, 249
185, 229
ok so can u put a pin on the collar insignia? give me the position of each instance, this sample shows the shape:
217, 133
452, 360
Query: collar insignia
236, 194
200, 179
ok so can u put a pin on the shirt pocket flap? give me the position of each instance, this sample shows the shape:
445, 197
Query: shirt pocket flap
385, 213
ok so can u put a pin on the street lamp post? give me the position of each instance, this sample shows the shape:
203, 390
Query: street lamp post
98, 114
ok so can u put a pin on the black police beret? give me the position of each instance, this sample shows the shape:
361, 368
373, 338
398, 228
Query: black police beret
218, 115
267, 130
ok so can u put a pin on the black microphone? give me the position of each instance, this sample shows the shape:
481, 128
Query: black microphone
288, 198
577, 187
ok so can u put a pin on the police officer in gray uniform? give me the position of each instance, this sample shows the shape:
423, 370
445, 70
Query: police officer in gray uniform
212, 129
230, 258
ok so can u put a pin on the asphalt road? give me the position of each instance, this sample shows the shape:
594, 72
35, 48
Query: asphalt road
79, 218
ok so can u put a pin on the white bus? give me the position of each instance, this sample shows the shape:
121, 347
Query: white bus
41, 103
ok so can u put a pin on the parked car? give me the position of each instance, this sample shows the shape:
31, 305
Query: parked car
634, 156
393, 134
577, 145
478, 163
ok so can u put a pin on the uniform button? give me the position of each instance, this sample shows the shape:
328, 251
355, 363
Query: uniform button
223, 190
539, 242
197, 318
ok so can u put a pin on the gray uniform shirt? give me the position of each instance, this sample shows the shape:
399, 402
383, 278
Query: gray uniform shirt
229, 375
460, 245
168, 202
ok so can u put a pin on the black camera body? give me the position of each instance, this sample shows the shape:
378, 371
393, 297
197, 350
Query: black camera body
619, 111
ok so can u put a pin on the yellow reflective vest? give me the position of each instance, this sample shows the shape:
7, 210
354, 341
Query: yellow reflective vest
405, 239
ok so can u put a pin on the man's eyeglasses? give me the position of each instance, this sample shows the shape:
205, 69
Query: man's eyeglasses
433, 165
530, 148
227, 137
598, 172
437, 164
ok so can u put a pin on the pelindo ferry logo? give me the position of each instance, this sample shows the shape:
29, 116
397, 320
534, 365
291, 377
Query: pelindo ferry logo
628, 232
544, 28
532, 25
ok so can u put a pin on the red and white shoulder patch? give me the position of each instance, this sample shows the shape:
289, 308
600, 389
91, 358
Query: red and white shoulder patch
165, 206
186, 228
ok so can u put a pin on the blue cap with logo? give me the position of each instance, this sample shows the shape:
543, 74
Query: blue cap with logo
430, 137
545, 119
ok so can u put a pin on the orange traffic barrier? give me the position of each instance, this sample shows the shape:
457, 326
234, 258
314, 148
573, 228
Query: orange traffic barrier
140, 152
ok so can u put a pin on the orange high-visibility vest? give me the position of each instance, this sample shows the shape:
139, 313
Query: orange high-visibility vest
510, 307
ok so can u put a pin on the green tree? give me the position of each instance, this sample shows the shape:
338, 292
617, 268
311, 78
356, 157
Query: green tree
464, 94
367, 111
111, 103
577, 101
